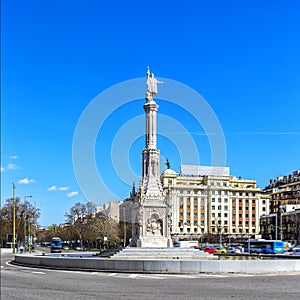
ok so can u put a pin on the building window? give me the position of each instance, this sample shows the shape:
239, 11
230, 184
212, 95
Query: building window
219, 207
188, 206
213, 215
181, 206
202, 214
180, 198
225, 184
202, 192
188, 199
195, 214
213, 192
195, 199
219, 200
219, 192
188, 214
226, 200
181, 214
225, 193
213, 199
195, 192
180, 191
213, 207
202, 207
188, 191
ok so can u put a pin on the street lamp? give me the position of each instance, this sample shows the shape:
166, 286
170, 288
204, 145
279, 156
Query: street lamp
14, 218
281, 211
124, 229
201, 232
25, 212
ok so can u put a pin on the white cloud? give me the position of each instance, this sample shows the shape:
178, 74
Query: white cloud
51, 188
12, 166
72, 194
2, 169
26, 181
64, 188
13, 157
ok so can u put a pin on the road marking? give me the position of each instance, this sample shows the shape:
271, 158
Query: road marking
112, 274
133, 275
42, 273
2, 266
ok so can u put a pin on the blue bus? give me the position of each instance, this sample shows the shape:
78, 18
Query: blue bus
264, 246
56, 245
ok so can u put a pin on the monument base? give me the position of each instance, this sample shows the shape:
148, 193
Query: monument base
154, 242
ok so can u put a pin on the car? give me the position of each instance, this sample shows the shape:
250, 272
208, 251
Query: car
80, 248
293, 248
233, 250
210, 250
220, 250
296, 250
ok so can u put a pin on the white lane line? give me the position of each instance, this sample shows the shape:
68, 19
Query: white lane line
133, 275
2, 266
41, 273
151, 277
112, 274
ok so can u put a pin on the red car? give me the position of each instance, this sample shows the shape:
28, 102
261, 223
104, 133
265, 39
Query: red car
210, 250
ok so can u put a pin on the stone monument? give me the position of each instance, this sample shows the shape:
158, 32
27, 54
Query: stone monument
151, 213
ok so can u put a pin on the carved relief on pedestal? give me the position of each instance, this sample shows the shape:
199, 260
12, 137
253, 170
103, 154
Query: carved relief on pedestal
154, 225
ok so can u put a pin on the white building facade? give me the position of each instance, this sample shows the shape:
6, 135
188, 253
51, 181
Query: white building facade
208, 200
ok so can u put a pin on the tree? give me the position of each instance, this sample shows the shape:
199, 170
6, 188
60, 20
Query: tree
26, 215
80, 218
91, 228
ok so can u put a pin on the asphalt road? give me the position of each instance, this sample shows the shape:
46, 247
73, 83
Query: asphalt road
31, 283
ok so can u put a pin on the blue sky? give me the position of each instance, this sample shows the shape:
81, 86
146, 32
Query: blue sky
57, 56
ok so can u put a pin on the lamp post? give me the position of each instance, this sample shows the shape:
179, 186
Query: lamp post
276, 226
281, 211
25, 223
14, 218
124, 228
201, 233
